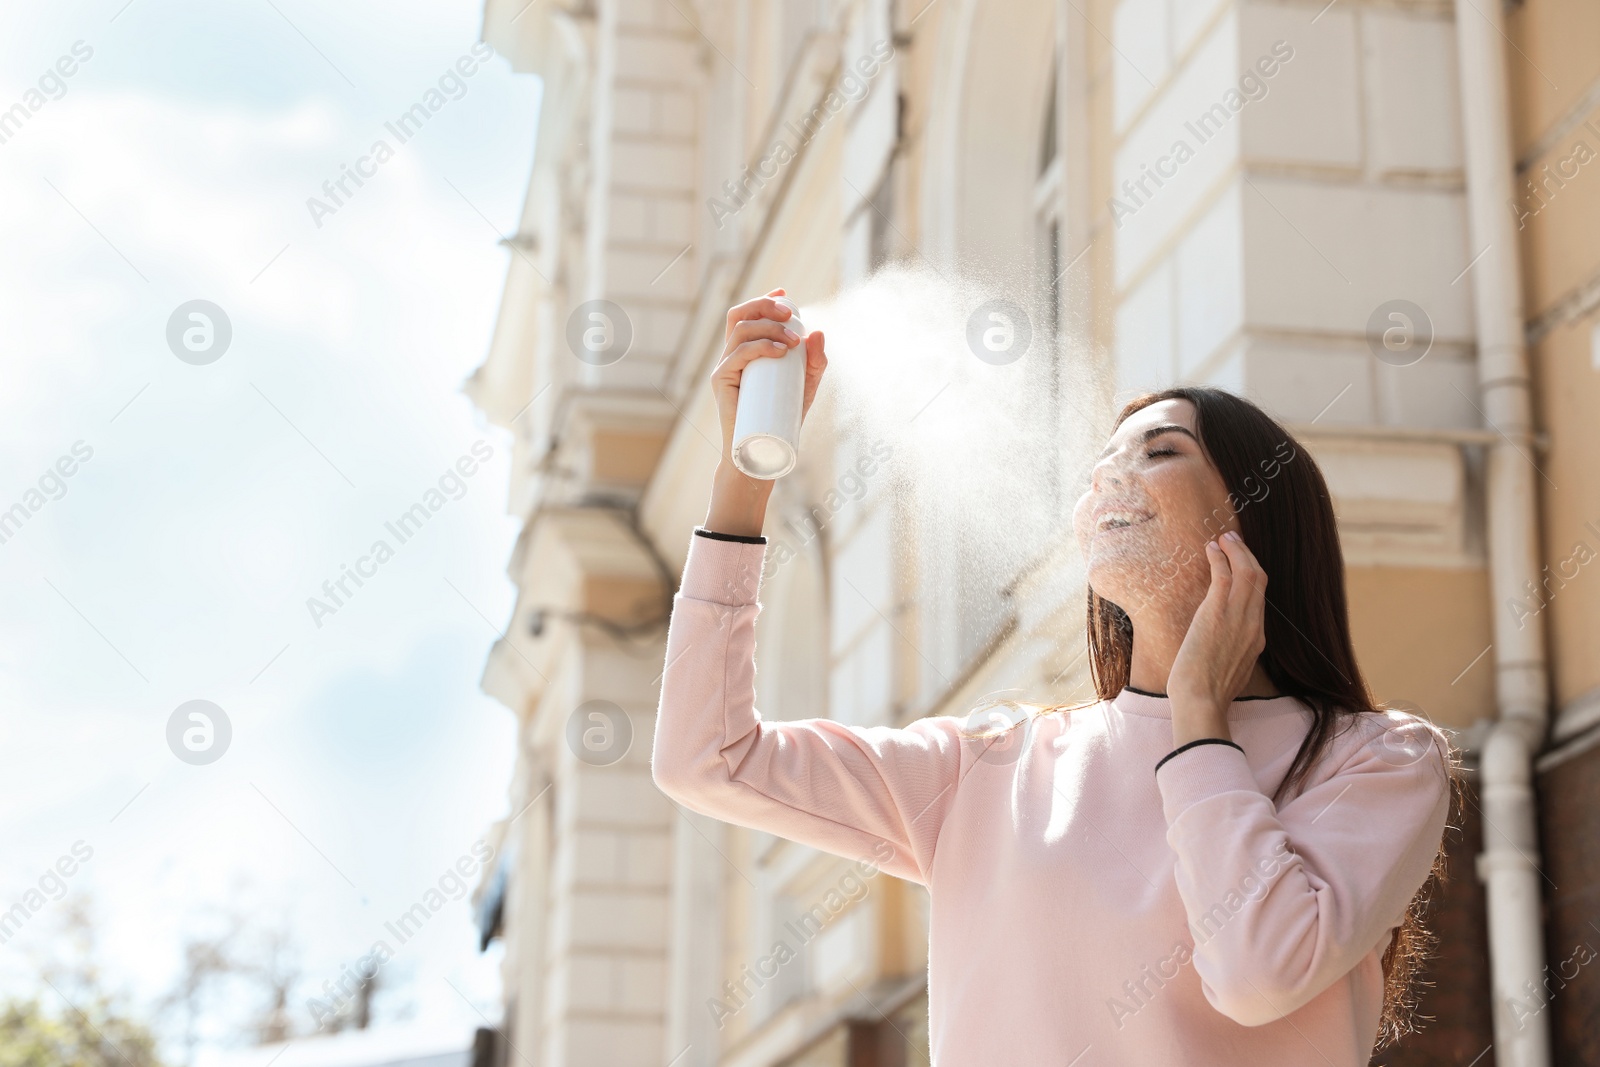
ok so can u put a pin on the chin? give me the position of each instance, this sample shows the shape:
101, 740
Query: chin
1129, 571
1120, 580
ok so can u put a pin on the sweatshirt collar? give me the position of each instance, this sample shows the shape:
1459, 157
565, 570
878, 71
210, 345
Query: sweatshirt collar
1159, 706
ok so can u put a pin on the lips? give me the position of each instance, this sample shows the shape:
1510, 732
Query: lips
1113, 519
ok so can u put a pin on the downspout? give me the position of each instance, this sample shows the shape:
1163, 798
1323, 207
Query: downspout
1509, 864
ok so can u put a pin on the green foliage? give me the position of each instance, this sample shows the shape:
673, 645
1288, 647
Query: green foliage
92, 1034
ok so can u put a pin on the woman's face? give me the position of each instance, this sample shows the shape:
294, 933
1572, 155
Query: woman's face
1154, 500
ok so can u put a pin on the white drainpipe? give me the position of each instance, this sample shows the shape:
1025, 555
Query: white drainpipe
1509, 864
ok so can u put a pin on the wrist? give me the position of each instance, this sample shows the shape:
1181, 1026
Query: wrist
735, 486
1194, 718
738, 502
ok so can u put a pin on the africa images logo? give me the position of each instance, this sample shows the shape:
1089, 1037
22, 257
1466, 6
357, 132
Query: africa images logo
451, 485
1204, 127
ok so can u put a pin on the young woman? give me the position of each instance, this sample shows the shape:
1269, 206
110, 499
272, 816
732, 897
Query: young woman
1222, 861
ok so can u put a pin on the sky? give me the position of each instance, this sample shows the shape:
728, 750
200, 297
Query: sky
182, 500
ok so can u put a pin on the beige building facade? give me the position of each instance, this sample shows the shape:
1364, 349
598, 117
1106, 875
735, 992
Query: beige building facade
1377, 219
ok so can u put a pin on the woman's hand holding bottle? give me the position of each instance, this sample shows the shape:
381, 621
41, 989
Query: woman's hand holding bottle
755, 330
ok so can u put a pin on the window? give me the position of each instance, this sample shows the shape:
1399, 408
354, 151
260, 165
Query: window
1048, 197
964, 567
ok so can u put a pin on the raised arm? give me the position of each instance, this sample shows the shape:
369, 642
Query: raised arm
847, 790
844, 789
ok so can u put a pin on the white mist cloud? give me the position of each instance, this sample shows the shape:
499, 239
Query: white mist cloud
993, 450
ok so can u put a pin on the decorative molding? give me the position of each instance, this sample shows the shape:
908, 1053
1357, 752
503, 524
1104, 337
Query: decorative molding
1404, 500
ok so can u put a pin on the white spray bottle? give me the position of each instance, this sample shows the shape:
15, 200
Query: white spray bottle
766, 423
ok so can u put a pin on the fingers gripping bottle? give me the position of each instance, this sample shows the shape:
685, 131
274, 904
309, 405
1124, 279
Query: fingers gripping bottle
766, 423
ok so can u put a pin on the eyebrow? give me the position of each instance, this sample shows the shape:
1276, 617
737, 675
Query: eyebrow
1156, 431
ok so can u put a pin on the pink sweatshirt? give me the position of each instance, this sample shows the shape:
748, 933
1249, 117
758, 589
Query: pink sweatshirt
1086, 910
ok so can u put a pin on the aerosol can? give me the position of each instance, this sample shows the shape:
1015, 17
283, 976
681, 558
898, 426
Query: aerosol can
766, 424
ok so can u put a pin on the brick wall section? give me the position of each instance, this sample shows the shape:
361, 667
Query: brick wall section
654, 176
1569, 823
608, 928
1455, 984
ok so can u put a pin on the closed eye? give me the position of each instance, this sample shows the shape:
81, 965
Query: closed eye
1153, 453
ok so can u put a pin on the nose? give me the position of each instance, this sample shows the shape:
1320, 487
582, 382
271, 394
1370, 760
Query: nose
1107, 471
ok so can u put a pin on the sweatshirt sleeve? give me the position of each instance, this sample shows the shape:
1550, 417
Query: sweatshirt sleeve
844, 789
1282, 904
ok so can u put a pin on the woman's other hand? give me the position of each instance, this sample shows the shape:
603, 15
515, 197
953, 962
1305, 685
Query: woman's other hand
1225, 640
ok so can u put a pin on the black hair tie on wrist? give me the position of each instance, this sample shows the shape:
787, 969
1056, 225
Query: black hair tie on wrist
1197, 741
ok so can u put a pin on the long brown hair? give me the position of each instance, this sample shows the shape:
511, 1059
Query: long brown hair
1285, 516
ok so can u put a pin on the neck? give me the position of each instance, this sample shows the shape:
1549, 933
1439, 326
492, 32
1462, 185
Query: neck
1155, 648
